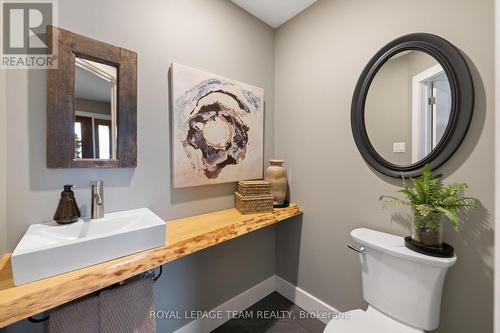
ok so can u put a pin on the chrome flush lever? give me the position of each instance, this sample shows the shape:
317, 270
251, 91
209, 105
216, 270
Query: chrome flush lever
361, 249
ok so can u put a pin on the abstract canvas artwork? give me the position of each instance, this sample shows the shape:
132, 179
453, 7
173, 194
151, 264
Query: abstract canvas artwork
217, 128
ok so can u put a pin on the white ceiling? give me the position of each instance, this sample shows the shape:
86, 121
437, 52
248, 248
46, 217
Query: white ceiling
92, 80
274, 12
90, 86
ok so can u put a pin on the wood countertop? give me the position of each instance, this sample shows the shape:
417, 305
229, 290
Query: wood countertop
184, 236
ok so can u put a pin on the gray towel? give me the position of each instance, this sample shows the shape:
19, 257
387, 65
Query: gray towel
127, 308
81, 316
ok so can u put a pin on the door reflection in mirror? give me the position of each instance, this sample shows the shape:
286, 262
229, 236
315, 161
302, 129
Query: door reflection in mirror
407, 107
95, 110
430, 111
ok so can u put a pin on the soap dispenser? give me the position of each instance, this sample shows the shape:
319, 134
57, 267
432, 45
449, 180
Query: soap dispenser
67, 210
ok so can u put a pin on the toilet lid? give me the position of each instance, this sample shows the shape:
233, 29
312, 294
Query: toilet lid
359, 321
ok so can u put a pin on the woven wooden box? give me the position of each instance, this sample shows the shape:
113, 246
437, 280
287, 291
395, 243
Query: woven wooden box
254, 187
253, 204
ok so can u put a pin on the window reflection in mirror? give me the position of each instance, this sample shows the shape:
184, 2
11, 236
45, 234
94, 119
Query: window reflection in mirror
408, 107
95, 110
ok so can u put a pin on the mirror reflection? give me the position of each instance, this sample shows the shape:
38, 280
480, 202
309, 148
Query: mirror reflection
95, 110
408, 107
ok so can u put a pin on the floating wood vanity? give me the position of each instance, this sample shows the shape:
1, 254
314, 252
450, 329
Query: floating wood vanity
184, 236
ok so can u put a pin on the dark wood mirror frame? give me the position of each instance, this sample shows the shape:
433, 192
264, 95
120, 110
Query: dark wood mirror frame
462, 103
60, 100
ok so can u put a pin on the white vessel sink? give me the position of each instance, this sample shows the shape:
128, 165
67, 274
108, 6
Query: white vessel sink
48, 249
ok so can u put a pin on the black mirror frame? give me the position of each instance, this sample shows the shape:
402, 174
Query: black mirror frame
462, 104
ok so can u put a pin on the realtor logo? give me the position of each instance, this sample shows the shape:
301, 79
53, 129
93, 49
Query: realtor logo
24, 42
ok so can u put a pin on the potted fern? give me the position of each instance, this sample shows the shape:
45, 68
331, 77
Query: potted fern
430, 202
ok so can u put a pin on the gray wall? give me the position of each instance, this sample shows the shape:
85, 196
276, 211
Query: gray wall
389, 105
319, 56
419, 62
88, 105
388, 116
214, 36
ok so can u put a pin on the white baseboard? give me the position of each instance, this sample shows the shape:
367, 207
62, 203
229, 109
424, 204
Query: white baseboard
251, 296
305, 300
238, 303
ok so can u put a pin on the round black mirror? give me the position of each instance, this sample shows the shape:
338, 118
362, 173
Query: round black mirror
412, 105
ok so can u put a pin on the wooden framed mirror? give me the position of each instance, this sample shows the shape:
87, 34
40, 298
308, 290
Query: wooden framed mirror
91, 104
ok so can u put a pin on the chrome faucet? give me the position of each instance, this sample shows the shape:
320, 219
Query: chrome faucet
97, 198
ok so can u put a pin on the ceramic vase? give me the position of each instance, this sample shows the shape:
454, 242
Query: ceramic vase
277, 177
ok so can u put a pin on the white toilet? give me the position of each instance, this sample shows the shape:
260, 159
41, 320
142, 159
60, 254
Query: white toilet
402, 287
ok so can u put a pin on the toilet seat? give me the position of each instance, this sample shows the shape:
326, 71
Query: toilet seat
371, 320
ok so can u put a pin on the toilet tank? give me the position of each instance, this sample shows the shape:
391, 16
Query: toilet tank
399, 282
